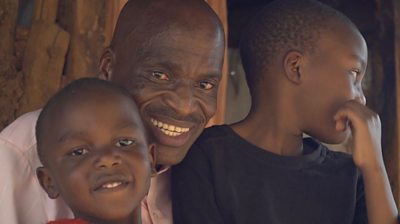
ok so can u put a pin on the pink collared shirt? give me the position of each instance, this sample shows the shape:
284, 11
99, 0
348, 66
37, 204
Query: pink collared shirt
157, 206
22, 200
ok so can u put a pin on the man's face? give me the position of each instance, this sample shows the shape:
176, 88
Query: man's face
334, 73
173, 76
98, 157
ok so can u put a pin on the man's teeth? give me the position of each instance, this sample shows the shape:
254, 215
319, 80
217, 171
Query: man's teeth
111, 185
169, 129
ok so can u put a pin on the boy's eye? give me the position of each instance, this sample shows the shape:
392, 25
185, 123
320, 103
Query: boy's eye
79, 152
124, 142
160, 76
355, 73
206, 85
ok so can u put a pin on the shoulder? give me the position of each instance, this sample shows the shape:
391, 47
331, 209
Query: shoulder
214, 134
21, 133
338, 162
206, 146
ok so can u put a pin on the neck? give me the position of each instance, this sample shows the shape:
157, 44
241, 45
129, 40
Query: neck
133, 218
272, 129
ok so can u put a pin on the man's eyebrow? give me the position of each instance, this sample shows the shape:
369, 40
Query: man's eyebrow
214, 75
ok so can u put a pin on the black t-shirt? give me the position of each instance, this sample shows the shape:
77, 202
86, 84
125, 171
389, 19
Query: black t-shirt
225, 179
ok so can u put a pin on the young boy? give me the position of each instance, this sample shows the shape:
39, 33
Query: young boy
304, 63
95, 152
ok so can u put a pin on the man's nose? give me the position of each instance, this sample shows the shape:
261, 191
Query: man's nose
181, 99
107, 158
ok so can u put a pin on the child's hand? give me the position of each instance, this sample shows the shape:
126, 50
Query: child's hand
365, 128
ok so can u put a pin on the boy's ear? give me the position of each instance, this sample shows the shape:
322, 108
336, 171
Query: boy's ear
106, 64
153, 159
292, 65
47, 182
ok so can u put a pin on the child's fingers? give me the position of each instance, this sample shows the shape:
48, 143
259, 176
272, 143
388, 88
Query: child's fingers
357, 115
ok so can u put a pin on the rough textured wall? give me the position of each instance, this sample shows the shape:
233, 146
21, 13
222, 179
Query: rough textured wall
10, 77
47, 44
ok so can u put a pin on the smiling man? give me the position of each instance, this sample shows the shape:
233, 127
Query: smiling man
172, 66
170, 61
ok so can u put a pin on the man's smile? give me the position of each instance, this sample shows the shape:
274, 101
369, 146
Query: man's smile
169, 129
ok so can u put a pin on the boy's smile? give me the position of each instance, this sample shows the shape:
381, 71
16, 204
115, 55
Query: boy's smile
111, 182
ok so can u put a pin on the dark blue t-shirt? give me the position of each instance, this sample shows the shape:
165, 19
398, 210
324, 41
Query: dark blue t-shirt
225, 179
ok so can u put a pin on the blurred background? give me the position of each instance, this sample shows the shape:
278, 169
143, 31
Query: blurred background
45, 44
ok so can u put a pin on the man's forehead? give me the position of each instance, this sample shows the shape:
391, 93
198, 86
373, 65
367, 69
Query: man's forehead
140, 20
172, 43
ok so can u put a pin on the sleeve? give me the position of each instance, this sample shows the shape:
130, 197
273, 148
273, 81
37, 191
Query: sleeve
10, 165
193, 195
22, 200
360, 216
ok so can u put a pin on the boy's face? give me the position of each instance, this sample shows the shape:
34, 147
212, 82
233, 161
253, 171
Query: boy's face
332, 76
97, 156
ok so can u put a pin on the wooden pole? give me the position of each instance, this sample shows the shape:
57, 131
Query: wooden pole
220, 7
45, 10
387, 101
396, 139
44, 57
85, 22
113, 8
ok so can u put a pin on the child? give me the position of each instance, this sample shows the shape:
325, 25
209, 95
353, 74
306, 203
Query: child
304, 63
95, 152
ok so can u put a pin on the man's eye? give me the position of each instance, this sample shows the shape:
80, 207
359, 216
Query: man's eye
79, 152
124, 142
206, 85
160, 76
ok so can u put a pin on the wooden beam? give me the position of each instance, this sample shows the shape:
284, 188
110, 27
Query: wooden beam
396, 139
85, 22
220, 7
387, 100
113, 8
45, 10
43, 64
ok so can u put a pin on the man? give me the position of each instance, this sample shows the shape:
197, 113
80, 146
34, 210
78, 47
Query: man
171, 62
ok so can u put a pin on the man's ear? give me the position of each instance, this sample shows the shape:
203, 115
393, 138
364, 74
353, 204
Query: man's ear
153, 159
106, 64
292, 63
47, 182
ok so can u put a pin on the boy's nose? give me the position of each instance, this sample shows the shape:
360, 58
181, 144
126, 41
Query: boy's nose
362, 99
107, 159
360, 96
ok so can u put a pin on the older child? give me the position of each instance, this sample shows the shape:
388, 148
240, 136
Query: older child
304, 63
95, 152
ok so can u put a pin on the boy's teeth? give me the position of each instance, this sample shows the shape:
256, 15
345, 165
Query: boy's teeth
169, 129
111, 185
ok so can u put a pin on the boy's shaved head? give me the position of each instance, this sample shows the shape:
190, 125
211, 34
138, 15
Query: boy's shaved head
68, 96
95, 152
282, 26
